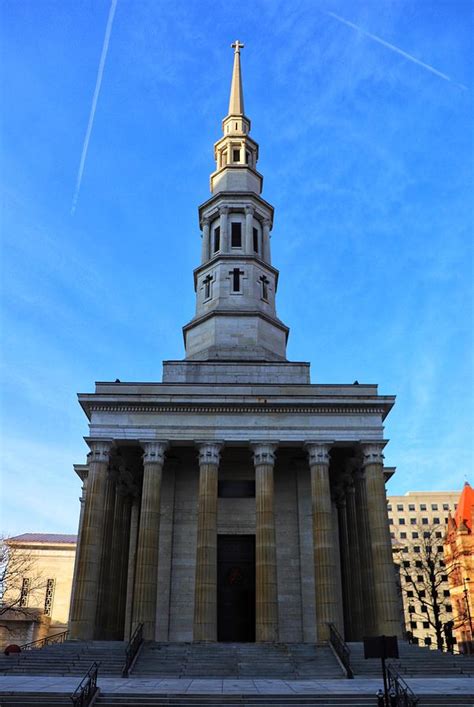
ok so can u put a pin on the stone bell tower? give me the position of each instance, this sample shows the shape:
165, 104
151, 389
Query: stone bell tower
235, 282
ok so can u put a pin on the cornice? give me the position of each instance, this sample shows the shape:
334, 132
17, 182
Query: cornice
114, 406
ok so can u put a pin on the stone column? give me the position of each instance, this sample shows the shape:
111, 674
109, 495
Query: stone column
82, 501
387, 613
324, 546
266, 241
83, 612
118, 564
103, 599
357, 602
205, 246
132, 556
368, 626
266, 606
146, 573
249, 212
224, 226
341, 503
205, 590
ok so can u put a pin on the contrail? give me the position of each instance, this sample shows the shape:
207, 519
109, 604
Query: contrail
396, 49
95, 98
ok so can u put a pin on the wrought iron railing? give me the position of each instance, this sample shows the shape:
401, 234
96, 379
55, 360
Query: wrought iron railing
131, 652
341, 649
400, 694
48, 641
86, 691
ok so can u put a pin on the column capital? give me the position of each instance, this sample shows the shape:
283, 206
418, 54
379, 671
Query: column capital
266, 223
153, 451
224, 210
100, 449
205, 221
209, 452
372, 452
264, 452
249, 210
318, 452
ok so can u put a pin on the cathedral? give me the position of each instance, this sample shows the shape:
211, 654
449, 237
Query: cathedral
235, 501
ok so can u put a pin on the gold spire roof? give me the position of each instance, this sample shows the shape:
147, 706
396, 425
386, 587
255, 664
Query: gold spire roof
236, 101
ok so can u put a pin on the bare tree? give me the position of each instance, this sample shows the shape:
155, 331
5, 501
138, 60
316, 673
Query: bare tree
21, 585
424, 577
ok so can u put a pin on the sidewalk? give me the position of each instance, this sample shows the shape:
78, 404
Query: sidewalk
362, 686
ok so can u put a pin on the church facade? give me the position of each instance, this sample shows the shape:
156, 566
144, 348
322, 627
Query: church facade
235, 500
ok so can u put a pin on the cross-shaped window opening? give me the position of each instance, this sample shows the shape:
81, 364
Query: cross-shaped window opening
207, 286
236, 274
265, 282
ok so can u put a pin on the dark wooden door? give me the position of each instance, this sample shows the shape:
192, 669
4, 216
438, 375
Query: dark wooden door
236, 588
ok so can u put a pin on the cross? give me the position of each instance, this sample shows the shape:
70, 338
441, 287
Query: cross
237, 46
236, 273
265, 284
207, 286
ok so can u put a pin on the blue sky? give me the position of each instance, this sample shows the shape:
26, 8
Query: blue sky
367, 158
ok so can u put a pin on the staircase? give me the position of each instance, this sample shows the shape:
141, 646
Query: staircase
413, 661
285, 661
213, 700
68, 658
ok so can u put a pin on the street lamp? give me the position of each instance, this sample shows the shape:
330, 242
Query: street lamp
468, 609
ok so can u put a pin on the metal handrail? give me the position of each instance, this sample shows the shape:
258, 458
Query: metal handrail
132, 649
85, 692
341, 649
48, 641
405, 697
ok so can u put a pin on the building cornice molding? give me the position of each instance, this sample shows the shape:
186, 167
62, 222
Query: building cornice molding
232, 408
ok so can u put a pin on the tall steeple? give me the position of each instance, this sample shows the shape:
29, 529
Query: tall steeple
236, 284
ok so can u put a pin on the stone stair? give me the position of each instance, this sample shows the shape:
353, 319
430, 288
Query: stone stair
215, 700
287, 661
68, 658
413, 661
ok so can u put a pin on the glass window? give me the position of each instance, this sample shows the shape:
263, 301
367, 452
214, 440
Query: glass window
424, 521
403, 536
411, 506
236, 235
449, 608
410, 593
438, 534
434, 506
436, 521
399, 506
412, 624
426, 624
255, 240
217, 239
236, 155
445, 506
416, 548
446, 592
390, 521
389, 507
236, 489
412, 521
422, 506
414, 536
419, 577
401, 521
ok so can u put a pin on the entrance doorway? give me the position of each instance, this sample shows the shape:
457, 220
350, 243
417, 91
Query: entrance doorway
236, 588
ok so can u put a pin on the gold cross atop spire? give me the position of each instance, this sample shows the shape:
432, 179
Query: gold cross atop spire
237, 46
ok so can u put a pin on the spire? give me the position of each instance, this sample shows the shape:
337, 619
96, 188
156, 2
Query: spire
236, 101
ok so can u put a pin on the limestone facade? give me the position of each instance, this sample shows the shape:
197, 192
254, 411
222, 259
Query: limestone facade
410, 516
235, 479
38, 586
